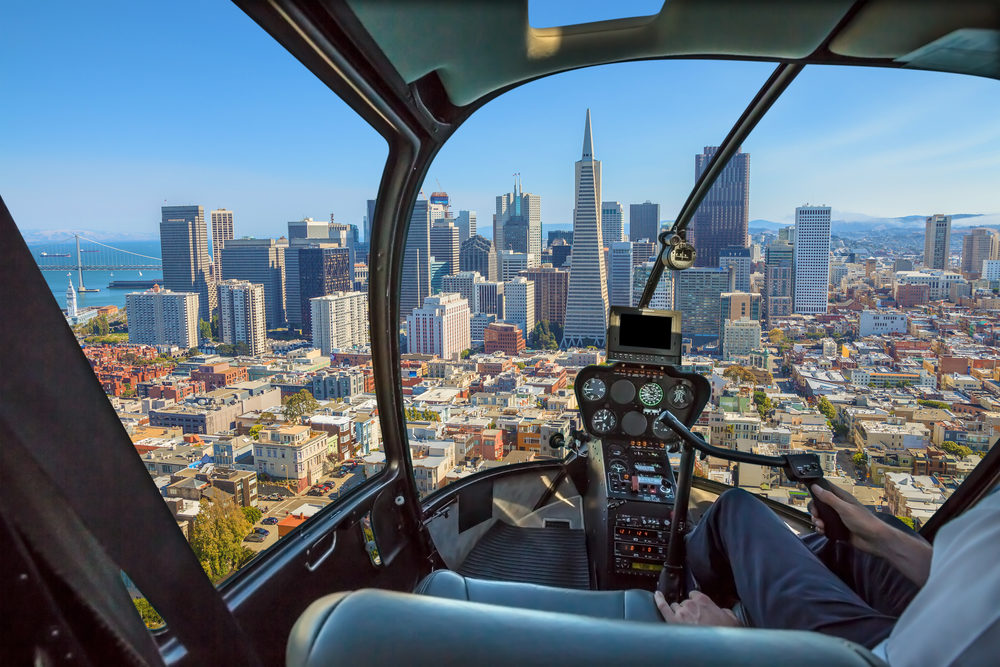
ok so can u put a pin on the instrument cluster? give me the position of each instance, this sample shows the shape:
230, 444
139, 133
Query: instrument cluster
624, 400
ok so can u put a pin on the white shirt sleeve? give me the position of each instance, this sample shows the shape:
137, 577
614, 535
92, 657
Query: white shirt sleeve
955, 618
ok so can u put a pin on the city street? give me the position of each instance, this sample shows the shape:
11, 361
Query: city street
291, 504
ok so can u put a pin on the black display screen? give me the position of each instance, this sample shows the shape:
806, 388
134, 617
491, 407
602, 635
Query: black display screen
646, 331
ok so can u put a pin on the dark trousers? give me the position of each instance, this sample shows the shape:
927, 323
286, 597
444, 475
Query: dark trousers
741, 550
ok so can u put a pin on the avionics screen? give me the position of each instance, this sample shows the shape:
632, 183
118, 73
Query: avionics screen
650, 332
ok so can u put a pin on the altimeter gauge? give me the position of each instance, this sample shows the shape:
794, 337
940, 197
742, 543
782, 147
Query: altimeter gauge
594, 389
603, 421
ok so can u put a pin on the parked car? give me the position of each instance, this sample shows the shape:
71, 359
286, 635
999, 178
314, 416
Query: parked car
262, 531
270, 520
254, 537
319, 491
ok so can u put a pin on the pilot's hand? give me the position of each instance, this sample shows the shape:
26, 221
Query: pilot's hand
867, 531
698, 609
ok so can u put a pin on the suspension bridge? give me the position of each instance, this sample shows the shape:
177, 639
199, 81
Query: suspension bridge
90, 255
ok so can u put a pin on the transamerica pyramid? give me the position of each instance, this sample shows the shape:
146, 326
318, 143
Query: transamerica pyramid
587, 299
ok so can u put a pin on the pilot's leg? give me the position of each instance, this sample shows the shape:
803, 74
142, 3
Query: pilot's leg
742, 549
878, 583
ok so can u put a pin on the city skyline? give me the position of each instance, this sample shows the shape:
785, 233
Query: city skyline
883, 153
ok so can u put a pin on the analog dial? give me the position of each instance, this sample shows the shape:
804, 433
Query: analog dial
680, 396
661, 431
594, 389
651, 394
617, 467
604, 421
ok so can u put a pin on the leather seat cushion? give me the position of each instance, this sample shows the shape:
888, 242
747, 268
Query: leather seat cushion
374, 627
630, 605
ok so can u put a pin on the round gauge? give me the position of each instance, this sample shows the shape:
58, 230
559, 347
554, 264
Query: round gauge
616, 450
604, 421
661, 431
680, 396
634, 423
617, 467
623, 391
651, 394
593, 389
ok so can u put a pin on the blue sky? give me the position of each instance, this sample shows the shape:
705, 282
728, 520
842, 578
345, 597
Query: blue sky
112, 108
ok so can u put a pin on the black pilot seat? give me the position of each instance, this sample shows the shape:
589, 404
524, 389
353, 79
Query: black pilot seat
457, 620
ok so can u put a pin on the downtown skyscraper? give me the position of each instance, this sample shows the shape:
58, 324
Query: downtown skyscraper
722, 219
937, 241
184, 249
416, 284
811, 265
517, 224
587, 298
222, 231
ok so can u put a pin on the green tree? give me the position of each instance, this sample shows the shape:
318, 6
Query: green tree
907, 520
763, 403
193, 351
466, 353
542, 338
255, 431
826, 408
860, 459
252, 514
215, 326
149, 616
956, 449
940, 405
299, 405
740, 374
204, 329
217, 538
776, 336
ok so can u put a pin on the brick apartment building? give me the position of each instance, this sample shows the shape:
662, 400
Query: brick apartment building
216, 376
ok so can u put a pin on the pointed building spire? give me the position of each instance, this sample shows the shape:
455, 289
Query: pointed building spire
588, 140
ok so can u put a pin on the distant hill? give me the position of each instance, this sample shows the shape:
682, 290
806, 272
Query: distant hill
858, 223
62, 235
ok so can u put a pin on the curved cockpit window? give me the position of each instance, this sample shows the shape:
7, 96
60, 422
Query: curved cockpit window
215, 194
812, 307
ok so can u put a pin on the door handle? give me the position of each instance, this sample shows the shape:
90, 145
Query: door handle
320, 550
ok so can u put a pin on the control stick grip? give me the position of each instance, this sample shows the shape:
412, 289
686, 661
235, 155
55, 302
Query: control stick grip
833, 525
805, 469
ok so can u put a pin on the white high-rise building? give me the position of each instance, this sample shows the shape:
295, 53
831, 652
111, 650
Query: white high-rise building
339, 321
991, 270
222, 231
612, 223
663, 295
811, 262
587, 298
161, 317
510, 263
740, 337
620, 272
738, 258
519, 303
466, 223
242, 314
440, 326
464, 282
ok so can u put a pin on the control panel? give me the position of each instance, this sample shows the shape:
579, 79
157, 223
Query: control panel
619, 405
639, 542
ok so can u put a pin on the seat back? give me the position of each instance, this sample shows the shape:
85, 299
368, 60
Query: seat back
375, 627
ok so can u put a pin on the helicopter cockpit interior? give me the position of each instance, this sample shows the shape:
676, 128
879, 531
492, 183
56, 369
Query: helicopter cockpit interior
551, 560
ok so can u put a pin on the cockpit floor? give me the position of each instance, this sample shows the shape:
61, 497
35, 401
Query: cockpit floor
551, 556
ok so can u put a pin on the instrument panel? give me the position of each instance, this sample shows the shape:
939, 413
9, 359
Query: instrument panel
619, 404
623, 400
